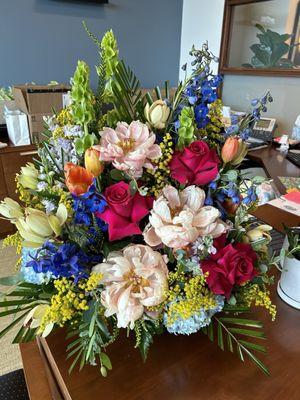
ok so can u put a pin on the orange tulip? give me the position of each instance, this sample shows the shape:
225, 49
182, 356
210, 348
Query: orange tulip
230, 149
78, 179
92, 161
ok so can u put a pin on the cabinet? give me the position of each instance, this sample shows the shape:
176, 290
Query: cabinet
12, 158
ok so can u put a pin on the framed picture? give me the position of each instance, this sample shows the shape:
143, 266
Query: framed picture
261, 37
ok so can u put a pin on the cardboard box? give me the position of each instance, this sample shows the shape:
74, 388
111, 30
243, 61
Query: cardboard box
37, 101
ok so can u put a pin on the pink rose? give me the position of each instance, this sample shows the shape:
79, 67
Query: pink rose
124, 211
232, 265
197, 164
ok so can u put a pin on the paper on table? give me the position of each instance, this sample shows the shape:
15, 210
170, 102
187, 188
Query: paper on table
286, 205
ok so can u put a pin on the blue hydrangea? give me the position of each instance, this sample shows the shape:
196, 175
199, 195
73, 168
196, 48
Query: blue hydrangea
27, 271
196, 322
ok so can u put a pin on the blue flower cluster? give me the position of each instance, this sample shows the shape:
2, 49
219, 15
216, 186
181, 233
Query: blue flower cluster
230, 191
86, 205
28, 273
201, 92
258, 106
196, 322
66, 260
251, 196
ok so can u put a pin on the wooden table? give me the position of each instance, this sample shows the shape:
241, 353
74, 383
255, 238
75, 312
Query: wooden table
275, 164
178, 368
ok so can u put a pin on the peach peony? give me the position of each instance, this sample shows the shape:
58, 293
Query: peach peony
134, 279
129, 147
179, 218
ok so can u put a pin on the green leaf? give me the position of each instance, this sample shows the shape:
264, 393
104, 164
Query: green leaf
75, 361
14, 311
220, 337
253, 346
90, 346
105, 360
257, 362
247, 332
242, 321
116, 175
9, 303
10, 280
145, 343
79, 146
133, 187
11, 325
74, 351
230, 175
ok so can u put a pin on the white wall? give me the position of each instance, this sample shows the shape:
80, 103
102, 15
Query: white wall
201, 21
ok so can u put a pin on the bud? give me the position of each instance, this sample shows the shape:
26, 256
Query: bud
258, 233
28, 176
157, 114
241, 154
37, 227
35, 316
230, 149
78, 179
92, 162
9, 208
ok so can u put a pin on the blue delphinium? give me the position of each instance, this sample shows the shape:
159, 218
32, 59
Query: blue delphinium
86, 205
251, 196
193, 324
66, 260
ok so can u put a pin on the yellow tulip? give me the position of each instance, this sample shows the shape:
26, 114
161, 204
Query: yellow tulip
92, 162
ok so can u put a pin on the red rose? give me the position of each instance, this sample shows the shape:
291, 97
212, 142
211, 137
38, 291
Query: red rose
197, 164
124, 211
232, 265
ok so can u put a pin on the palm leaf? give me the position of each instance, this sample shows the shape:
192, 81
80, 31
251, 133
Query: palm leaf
128, 101
236, 330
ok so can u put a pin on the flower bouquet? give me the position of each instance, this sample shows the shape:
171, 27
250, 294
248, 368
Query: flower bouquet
135, 216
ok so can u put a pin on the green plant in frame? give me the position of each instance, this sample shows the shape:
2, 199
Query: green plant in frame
270, 51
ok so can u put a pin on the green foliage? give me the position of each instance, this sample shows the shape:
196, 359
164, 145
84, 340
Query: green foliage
84, 143
108, 59
269, 52
187, 127
110, 53
82, 96
127, 96
144, 332
25, 296
93, 335
293, 235
231, 331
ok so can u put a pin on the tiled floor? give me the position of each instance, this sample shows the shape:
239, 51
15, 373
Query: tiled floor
10, 358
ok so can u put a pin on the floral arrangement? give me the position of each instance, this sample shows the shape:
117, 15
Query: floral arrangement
135, 216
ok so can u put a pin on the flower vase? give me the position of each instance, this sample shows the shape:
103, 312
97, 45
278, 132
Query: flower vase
288, 287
